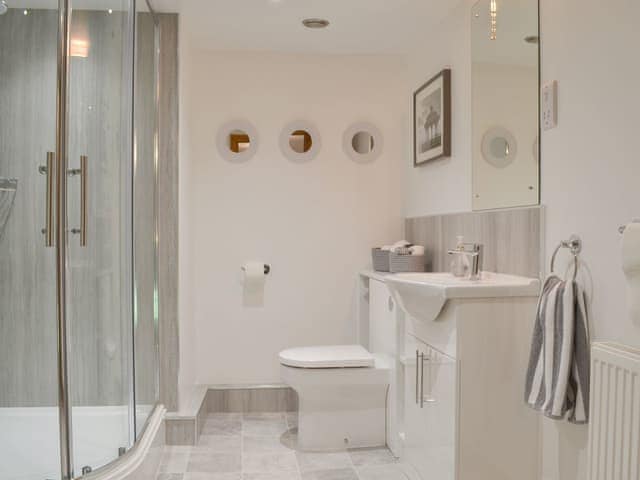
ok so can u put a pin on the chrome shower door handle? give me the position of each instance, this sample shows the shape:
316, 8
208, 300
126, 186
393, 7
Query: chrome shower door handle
82, 171
50, 194
83, 200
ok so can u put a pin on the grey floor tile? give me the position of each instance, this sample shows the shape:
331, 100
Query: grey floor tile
212, 476
219, 443
264, 424
269, 463
222, 425
323, 461
263, 444
169, 476
371, 456
214, 462
169, 449
382, 472
334, 474
271, 476
263, 415
174, 462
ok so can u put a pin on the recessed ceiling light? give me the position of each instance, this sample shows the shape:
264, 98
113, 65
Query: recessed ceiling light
315, 23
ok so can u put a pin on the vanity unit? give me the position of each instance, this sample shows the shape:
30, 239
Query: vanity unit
456, 400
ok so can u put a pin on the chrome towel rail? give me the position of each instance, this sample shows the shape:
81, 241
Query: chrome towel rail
574, 244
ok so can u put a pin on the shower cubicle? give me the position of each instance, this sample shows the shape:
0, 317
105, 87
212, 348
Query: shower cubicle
78, 233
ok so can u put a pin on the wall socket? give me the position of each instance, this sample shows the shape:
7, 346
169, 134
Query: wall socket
549, 105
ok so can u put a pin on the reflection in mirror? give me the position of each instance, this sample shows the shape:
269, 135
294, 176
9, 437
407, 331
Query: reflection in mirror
362, 143
300, 141
499, 147
239, 141
505, 65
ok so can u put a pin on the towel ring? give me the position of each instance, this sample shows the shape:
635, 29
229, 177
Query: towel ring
575, 245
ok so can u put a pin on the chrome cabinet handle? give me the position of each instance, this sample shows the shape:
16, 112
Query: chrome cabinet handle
417, 376
390, 304
84, 186
50, 172
422, 380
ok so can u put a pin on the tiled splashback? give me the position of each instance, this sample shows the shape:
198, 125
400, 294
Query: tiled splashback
512, 238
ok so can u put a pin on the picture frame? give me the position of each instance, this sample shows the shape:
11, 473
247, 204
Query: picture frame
432, 119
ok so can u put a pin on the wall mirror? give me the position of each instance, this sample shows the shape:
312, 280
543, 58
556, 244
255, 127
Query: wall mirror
300, 141
362, 142
505, 112
237, 141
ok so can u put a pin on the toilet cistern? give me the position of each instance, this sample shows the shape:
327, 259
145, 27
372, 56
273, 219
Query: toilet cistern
474, 251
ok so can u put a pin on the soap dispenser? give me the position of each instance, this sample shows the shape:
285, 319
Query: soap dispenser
460, 264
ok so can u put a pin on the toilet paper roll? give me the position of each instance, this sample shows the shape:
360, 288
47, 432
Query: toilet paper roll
631, 268
253, 283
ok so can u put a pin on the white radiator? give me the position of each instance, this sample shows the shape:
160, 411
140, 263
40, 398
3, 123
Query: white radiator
614, 424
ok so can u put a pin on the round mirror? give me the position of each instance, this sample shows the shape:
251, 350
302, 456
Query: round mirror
300, 141
237, 141
362, 142
499, 147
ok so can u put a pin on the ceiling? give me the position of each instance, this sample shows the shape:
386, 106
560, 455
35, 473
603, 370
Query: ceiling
357, 26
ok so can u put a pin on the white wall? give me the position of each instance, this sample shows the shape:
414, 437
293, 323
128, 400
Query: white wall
590, 163
591, 168
314, 223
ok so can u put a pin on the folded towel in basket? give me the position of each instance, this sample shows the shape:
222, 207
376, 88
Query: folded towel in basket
557, 382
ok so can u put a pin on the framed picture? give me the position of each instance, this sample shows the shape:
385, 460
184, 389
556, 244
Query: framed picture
432, 119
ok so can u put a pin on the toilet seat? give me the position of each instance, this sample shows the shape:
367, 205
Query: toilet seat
330, 356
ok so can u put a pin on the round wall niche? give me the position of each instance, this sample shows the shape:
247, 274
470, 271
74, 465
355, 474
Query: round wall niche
237, 141
300, 141
362, 142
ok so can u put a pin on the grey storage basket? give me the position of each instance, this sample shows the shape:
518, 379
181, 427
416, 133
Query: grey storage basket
380, 259
406, 263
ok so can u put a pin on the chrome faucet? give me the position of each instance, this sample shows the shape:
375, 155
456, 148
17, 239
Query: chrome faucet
475, 252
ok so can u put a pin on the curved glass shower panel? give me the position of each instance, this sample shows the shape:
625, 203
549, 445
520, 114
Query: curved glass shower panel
29, 431
99, 206
146, 308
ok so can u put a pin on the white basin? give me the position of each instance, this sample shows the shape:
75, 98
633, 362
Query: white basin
423, 295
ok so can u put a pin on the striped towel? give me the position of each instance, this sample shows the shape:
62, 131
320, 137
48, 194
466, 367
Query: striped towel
557, 382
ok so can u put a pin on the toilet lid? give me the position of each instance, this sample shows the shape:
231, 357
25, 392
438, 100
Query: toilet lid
335, 356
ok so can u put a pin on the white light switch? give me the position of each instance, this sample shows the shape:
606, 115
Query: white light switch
549, 105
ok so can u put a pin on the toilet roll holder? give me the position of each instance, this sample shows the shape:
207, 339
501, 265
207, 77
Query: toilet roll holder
624, 227
267, 269
574, 244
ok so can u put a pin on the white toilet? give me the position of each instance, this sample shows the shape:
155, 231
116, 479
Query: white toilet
342, 393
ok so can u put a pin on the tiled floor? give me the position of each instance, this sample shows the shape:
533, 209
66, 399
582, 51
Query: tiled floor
261, 447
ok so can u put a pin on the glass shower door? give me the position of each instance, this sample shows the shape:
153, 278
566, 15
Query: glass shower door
99, 206
29, 427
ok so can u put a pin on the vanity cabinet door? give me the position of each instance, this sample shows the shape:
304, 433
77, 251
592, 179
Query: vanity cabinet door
382, 324
430, 411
